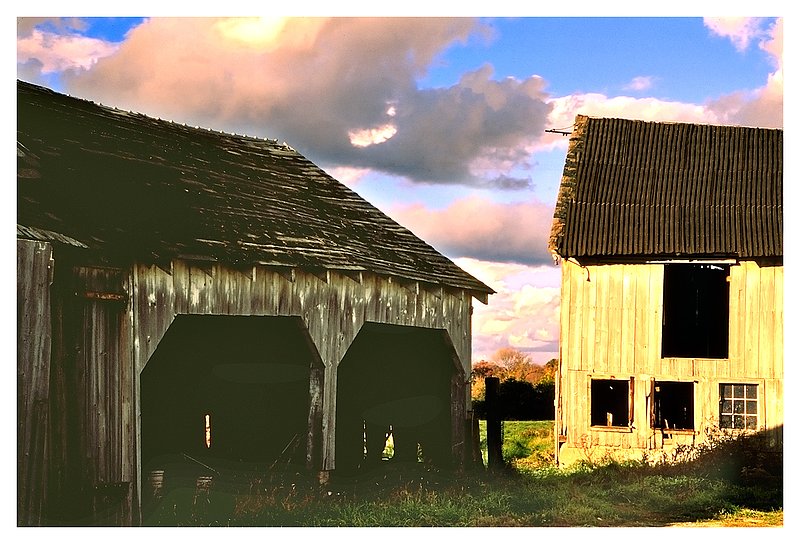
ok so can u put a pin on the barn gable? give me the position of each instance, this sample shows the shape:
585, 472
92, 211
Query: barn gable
670, 238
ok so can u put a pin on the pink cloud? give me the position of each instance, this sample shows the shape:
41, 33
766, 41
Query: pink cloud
478, 227
58, 53
523, 314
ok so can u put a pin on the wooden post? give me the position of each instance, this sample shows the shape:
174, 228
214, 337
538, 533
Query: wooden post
494, 431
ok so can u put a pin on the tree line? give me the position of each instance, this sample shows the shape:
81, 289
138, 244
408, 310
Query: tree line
527, 389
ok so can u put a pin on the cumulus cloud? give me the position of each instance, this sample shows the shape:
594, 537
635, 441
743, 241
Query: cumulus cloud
523, 314
477, 227
763, 106
52, 52
740, 30
341, 89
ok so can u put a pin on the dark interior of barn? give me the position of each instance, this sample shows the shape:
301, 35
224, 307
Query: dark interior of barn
395, 380
226, 397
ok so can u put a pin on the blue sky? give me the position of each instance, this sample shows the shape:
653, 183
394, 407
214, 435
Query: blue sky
440, 123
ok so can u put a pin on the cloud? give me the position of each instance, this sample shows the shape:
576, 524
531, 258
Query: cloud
523, 314
52, 52
763, 106
342, 90
640, 83
479, 228
740, 30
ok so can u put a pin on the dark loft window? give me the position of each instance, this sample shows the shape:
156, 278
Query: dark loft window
738, 406
673, 405
611, 403
695, 319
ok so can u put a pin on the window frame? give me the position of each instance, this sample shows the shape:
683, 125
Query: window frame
630, 397
654, 406
678, 337
745, 399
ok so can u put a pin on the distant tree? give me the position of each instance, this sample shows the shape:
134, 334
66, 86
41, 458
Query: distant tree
527, 390
480, 371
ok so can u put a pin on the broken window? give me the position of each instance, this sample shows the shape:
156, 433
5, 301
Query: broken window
695, 318
738, 406
611, 403
673, 404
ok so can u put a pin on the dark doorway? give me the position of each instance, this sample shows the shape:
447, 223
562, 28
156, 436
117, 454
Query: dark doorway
396, 379
227, 395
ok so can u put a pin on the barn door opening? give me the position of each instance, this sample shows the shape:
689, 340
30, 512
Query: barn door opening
402, 382
228, 397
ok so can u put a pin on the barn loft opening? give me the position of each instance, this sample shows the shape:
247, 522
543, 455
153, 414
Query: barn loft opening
396, 382
226, 396
674, 405
695, 317
611, 402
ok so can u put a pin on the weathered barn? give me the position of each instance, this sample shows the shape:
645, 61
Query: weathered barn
670, 242
186, 295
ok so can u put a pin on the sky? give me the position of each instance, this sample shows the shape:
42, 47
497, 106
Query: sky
440, 122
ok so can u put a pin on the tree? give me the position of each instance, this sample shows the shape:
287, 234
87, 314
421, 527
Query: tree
527, 390
480, 371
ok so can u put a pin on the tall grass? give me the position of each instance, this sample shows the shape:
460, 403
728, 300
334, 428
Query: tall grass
713, 486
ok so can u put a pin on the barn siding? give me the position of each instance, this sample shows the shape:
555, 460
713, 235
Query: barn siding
333, 306
34, 276
618, 308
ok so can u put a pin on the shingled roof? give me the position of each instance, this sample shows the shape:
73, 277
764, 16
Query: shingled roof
634, 189
136, 188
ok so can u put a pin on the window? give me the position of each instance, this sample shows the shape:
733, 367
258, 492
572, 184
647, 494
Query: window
612, 403
738, 406
673, 406
695, 318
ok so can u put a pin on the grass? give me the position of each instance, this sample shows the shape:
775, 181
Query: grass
529, 492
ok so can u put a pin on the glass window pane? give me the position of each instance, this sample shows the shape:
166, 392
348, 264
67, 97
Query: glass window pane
752, 407
751, 422
738, 406
738, 391
752, 391
725, 421
727, 407
726, 390
738, 422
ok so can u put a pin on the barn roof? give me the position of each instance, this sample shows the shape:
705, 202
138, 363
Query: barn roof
633, 189
132, 187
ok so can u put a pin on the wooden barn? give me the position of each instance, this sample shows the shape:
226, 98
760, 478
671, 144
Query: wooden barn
194, 298
670, 241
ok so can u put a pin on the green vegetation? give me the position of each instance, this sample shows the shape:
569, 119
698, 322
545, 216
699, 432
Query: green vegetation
711, 486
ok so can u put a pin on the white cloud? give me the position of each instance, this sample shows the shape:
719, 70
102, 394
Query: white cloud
523, 314
58, 53
740, 30
640, 83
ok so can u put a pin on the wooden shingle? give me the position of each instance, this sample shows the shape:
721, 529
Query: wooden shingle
136, 188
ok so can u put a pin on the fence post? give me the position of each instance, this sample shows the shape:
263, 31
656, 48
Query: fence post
494, 430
